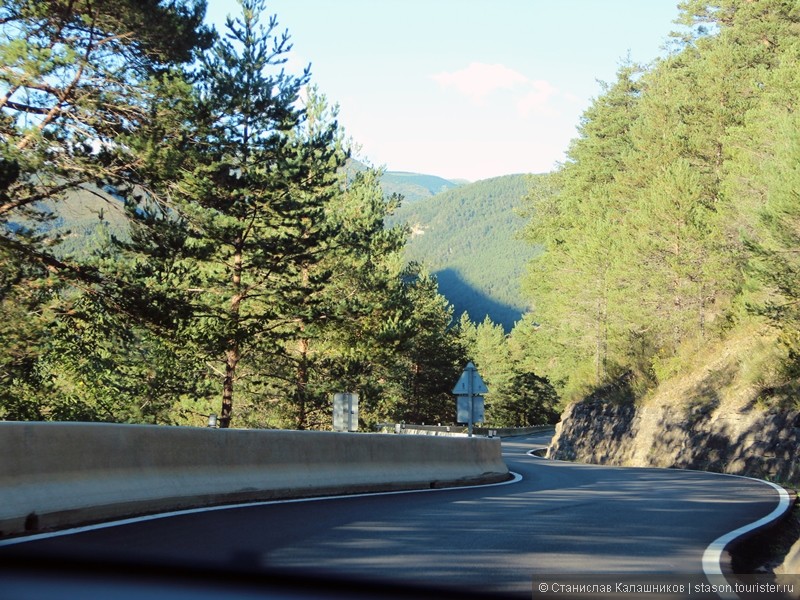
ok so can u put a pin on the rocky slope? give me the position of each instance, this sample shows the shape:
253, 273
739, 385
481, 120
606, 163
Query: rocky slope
708, 418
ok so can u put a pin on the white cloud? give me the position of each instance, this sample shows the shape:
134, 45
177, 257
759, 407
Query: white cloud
537, 99
479, 80
531, 97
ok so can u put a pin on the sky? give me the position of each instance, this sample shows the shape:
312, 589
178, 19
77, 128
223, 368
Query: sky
465, 89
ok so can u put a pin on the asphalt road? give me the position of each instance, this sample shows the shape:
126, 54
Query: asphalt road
559, 518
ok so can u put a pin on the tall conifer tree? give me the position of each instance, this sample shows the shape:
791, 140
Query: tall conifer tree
252, 199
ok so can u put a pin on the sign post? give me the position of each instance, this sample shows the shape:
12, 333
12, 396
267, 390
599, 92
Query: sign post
345, 412
469, 393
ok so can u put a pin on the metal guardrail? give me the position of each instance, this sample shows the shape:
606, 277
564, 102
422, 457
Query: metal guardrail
513, 431
460, 430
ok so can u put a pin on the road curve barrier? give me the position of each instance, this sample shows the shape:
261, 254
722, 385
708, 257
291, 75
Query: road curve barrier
460, 430
56, 475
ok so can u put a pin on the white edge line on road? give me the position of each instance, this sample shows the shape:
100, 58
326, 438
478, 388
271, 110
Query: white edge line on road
532, 453
712, 557
516, 478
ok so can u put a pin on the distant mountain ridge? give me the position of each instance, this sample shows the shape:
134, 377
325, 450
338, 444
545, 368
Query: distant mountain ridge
415, 186
467, 235
412, 186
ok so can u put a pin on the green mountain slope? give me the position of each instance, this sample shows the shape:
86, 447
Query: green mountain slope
75, 218
468, 237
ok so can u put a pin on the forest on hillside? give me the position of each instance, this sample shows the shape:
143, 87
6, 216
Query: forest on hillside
235, 267
675, 221
179, 235
470, 238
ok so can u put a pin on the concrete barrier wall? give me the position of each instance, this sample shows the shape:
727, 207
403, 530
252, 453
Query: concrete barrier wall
62, 474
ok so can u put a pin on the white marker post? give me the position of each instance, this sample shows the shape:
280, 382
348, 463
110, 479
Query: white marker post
345, 412
469, 387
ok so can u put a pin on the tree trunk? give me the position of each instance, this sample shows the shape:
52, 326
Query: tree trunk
233, 351
601, 341
301, 385
232, 357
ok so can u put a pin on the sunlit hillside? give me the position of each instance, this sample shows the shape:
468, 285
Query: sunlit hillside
469, 237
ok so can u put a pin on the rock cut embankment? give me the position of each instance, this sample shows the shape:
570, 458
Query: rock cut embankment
745, 441
710, 418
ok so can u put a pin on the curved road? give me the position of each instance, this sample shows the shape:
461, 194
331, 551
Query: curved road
560, 518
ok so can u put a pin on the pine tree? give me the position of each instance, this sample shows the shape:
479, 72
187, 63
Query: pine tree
345, 349
77, 82
251, 203
77, 78
762, 175
643, 250
526, 400
427, 354
27, 296
775, 257
579, 279
692, 255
